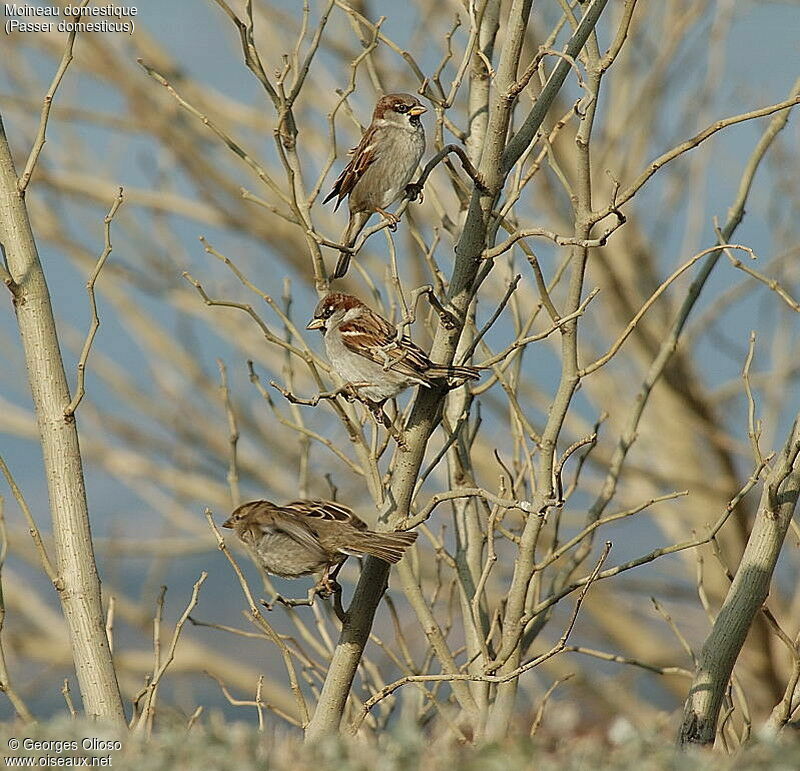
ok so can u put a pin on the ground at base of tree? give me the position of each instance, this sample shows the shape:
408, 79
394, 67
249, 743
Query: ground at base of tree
216, 744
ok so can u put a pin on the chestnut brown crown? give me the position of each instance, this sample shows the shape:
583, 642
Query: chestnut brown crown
399, 103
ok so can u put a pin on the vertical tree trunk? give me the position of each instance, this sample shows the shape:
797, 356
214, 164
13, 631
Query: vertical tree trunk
78, 584
747, 594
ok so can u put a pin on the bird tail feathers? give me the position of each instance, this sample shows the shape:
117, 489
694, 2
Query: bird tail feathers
388, 547
354, 227
460, 373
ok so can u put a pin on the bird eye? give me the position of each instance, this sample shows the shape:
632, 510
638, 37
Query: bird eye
401, 108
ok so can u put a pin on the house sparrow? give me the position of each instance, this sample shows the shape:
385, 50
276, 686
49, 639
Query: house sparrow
381, 166
363, 349
304, 537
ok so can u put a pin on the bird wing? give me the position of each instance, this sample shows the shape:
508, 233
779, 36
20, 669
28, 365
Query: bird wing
324, 511
376, 339
286, 520
362, 155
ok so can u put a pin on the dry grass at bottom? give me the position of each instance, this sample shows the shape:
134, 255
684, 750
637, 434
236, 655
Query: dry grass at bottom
216, 744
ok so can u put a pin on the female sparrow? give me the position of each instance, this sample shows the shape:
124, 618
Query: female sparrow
381, 166
304, 537
363, 349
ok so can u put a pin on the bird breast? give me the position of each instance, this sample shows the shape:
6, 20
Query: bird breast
354, 368
282, 556
386, 178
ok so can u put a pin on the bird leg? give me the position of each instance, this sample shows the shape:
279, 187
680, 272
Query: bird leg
327, 585
350, 392
393, 219
381, 417
334, 589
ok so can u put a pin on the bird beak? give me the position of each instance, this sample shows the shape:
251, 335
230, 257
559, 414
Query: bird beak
418, 110
316, 324
228, 522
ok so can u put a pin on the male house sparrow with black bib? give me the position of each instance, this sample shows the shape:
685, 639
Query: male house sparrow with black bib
381, 166
309, 536
363, 349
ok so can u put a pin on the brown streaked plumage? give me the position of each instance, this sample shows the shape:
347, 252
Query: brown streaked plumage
380, 168
363, 348
309, 536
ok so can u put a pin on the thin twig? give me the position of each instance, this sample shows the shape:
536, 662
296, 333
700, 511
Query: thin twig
110, 623
194, 717
258, 703
524, 341
512, 287
753, 426
41, 138
233, 435
770, 283
65, 692
539, 716
415, 188
16, 700
146, 716
587, 243
80, 389
47, 565
259, 170
595, 365
665, 158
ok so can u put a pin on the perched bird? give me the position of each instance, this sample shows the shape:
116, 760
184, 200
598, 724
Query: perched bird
363, 349
303, 537
380, 167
